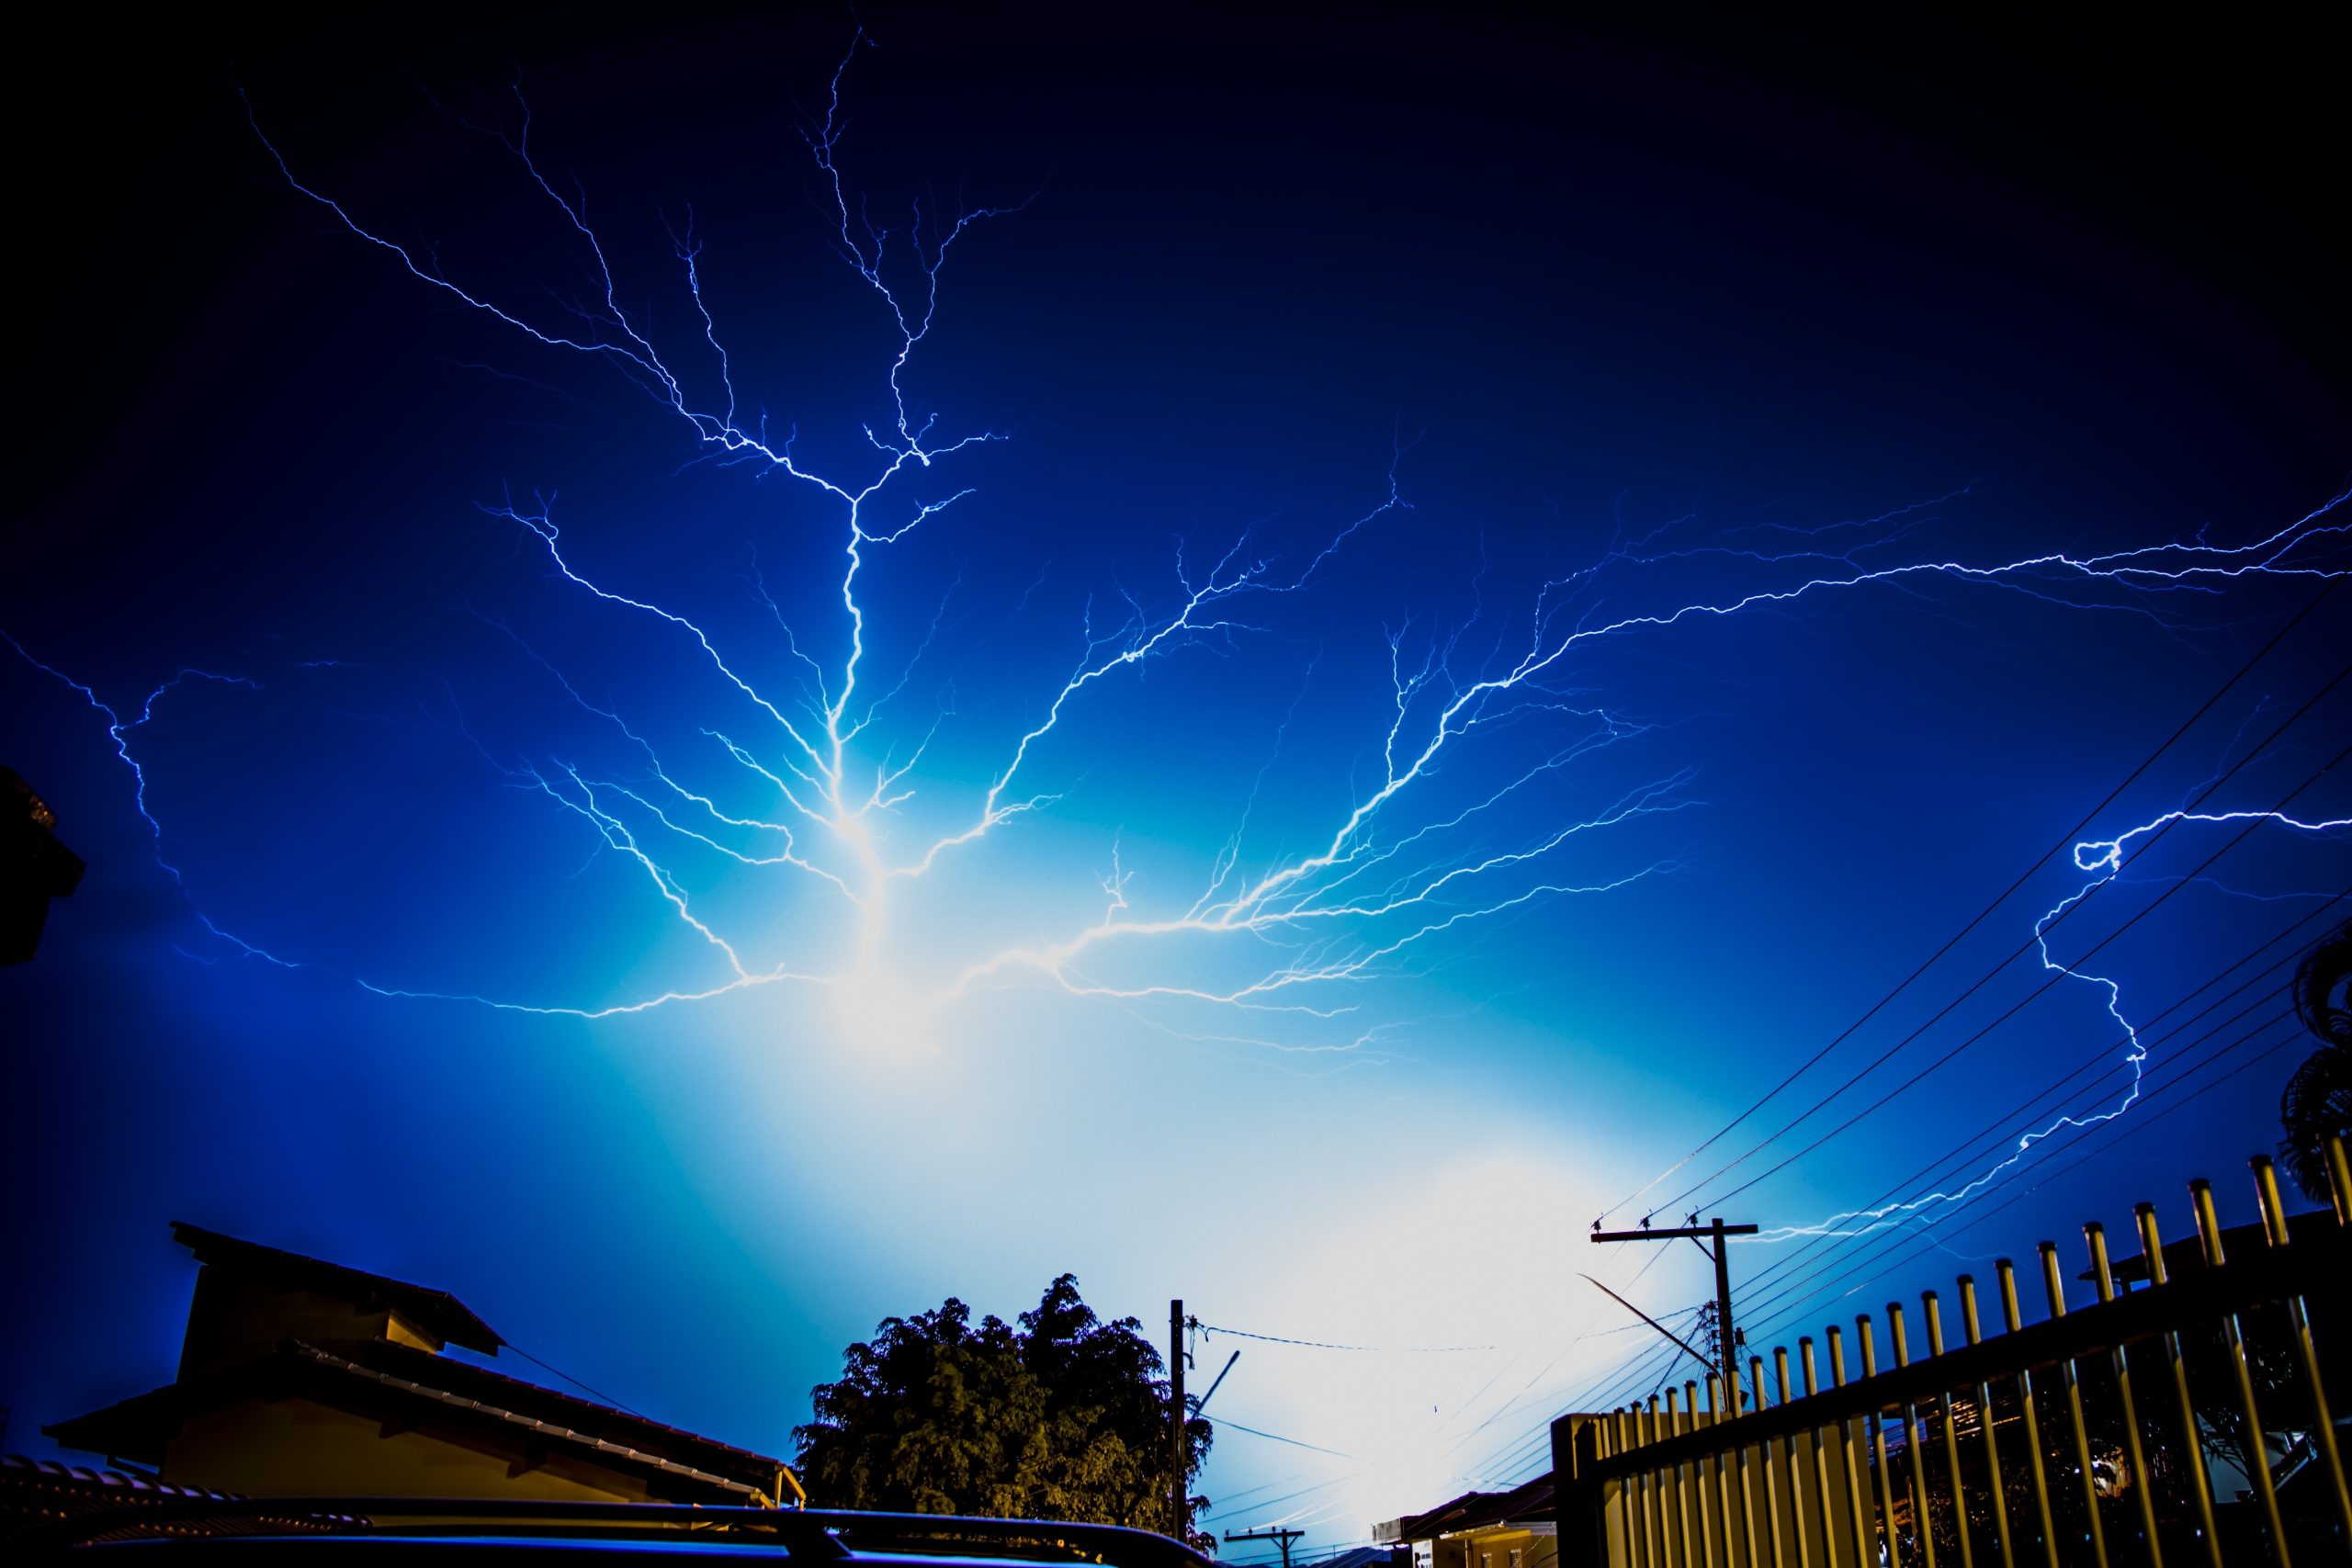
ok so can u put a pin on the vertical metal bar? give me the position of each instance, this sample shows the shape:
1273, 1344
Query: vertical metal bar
1681, 1505
1771, 1470
1852, 1449
1649, 1489
2192, 1435
1621, 1443
2038, 1470
1748, 1498
2104, 1277
1699, 1503
1629, 1487
1951, 1438
2339, 1180
2274, 1222
1985, 1425
2209, 1231
1888, 1542
2054, 1285
1796, 1481
1821, 1467
1726, 1461
1914, 1441
1628, 1440
1654, 1494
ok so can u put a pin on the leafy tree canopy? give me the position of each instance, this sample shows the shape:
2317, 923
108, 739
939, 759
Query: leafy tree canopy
1063, 1418
2317, 1105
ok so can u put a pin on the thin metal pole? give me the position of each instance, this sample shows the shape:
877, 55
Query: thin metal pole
1821, 1467
1727, 1349
1771, 1480
1614, 1422
1725, 1462
1796, 1481
1854, 1464
1914, 1439
1177, 1456
1682, 1498
2274, 1222
1749, 1501
2339, 1180
2038, 1470
2192, 1434
2054, 1285
2103, 1277
1985, 1425
1878, 1448
1746, 1482
2209, 1231
1951, 1438
1657, 1486
1699, 1499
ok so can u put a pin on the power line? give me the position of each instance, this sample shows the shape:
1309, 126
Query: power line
2131, 1131
2147, 1035
2066, 842
2043, 1175
2038, 992
1368, 1349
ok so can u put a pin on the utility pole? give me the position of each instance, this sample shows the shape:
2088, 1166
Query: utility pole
1728, 1347
1280, 1538
1177, 1447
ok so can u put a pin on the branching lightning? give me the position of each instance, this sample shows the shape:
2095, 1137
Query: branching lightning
1297, 935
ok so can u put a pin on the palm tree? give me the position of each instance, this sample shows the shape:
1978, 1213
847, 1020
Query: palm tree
2318, 1102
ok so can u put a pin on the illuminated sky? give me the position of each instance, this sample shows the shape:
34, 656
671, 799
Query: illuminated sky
1434, 611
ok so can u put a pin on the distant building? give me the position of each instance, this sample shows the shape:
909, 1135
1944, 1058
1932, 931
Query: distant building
1517, 1528
34, 867
300, 1377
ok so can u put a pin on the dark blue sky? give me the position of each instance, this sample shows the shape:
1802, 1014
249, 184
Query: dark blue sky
1664, 317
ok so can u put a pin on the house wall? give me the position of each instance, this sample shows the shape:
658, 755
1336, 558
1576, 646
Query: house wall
1502, 1547
295, 1446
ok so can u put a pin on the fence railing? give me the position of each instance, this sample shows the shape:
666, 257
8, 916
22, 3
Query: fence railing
2183, 1421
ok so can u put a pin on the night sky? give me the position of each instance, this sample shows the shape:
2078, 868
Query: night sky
1521, 581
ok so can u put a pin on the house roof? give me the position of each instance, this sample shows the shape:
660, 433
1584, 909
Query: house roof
1475, 1510
436, 1312
375, 1375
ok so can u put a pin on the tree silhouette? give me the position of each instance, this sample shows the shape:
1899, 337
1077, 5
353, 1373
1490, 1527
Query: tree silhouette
2318, 1102
1064, 1417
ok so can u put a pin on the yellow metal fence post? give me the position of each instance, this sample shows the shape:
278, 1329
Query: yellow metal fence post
1888, 1545
1951, 1438
2209, 1231
1827, 1511
1913, 1444
1975, 1331
2192, 1435
2139, 1483
2054, 1285
2037, 1456
2274, 1222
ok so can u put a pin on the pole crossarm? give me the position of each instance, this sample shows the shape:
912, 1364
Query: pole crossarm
1696, 1233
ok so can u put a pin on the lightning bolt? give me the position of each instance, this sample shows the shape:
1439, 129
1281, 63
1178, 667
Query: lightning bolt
2104, 860
1431, 841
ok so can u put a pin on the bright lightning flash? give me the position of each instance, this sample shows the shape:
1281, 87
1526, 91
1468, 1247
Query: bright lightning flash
1275, 947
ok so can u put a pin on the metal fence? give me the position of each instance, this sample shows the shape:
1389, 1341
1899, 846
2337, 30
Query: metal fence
2183, 1421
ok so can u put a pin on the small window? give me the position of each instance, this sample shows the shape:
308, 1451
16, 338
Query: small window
1514, 1557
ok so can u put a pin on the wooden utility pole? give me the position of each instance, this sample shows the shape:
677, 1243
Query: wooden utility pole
1282, 1538
1728, 1347
1177, 1445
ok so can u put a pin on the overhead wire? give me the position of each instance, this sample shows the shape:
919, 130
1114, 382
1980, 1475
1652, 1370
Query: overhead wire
2046, 985
2100, 1059
2064, 842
